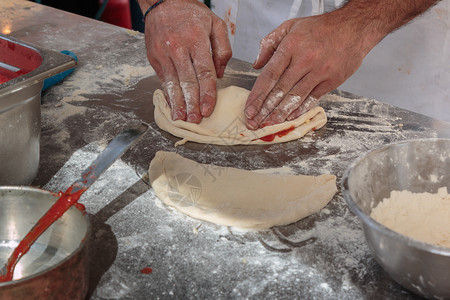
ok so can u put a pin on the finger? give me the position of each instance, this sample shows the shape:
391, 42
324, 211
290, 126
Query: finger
159, 72
311, 101
269, 44
154, 60
206, 75
292, 101
167, 73
314, 97
188, 83
265, 82
220, 45
306, 106
276, 95
173, 92
156, 66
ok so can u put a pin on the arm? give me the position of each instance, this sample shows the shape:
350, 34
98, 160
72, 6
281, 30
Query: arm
306, 58
379, 18
188, 47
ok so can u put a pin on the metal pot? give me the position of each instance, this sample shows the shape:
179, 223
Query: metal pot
20, 98
56, 267
409, 165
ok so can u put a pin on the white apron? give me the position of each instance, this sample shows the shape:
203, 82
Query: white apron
410, 68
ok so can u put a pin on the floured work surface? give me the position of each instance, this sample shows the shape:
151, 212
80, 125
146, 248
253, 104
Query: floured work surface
322, 256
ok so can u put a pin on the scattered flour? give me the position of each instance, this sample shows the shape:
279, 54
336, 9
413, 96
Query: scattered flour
323, 256
250, 260
282, 170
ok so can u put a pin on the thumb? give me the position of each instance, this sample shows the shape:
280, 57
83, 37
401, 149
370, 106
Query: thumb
269, 44
220, 45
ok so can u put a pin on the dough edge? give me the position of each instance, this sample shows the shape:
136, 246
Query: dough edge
296, 209
189, 132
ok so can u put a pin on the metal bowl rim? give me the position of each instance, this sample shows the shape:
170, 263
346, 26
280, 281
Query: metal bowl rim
369, 221
83, 243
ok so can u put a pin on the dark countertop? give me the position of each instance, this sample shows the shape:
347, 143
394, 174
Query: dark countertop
322, 256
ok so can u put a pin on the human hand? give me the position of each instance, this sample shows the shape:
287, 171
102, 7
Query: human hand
304, 59
188, 47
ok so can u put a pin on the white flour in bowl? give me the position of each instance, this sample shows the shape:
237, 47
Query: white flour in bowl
421, 216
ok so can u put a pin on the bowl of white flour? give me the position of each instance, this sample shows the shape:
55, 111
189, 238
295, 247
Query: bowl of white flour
400, 193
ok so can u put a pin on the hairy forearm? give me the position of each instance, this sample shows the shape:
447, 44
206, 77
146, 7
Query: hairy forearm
374, 19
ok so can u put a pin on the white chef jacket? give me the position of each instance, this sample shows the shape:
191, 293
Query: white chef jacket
410, 68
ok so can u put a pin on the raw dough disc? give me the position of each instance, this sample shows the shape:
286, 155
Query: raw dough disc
234, 197
226, 125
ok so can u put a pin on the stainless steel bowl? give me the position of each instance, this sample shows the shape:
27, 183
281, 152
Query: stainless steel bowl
56, 267
417, 166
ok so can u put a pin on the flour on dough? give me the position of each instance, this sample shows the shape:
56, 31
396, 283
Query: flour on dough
226, 125
234, 197
421, 216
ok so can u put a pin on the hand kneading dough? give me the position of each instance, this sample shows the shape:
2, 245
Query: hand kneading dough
234, 197
226, 125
